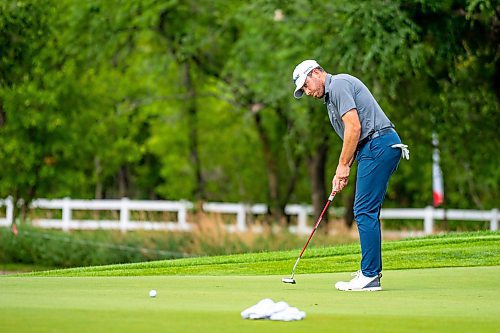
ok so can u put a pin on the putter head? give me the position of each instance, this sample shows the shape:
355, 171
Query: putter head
288, 280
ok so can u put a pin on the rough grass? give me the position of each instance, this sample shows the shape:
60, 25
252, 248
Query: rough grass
451, 250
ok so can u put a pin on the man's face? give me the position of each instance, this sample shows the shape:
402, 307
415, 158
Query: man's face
314, 86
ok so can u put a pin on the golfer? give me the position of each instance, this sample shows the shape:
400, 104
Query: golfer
369, 137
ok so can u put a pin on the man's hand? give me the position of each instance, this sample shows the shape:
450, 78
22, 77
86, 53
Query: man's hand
338, 184
340, 179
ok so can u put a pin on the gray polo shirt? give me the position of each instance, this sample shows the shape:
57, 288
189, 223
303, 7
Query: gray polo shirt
344, 92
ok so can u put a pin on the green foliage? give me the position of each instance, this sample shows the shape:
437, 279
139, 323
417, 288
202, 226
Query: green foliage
95, 99
57, 249
50, 248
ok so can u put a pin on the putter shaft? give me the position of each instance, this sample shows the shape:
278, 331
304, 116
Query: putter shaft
330, 199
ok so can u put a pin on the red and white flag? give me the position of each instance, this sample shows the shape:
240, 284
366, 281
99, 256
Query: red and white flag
437, 174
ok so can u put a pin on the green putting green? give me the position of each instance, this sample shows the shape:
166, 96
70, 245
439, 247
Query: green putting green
460, 299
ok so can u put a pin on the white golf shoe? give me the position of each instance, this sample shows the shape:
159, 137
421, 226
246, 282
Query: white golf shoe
360, 283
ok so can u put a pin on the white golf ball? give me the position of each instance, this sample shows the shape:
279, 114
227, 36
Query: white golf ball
152, 293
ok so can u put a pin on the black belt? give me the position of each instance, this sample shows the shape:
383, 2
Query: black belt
374, 135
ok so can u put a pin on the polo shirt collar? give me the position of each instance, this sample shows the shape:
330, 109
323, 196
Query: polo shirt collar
328, 79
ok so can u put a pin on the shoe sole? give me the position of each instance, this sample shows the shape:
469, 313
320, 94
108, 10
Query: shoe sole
363, 289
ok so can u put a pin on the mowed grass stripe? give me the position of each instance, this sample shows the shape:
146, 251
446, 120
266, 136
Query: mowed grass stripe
453, 250
459, 300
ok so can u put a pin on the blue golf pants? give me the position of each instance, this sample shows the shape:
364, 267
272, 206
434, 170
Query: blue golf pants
377, 161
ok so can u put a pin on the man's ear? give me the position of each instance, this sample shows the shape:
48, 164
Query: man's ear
316, 73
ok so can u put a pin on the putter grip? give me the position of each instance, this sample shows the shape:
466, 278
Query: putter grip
330, 198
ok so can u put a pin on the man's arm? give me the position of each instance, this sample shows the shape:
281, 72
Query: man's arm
352, 131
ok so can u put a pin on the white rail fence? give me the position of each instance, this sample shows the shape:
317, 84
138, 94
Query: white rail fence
241, 211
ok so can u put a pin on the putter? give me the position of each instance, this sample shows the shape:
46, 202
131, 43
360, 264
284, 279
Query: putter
291, 280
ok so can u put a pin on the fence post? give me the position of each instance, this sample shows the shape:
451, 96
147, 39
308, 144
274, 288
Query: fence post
66, 214
181, 216
9, 211
429, 220
494, 220
124, 215
240, 218
302, 220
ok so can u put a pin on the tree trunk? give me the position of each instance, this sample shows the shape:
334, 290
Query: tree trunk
169, 32
98, 185
317, 167
295, 163
123, 182
272, 170
292, 181
194, 156
320, 189
2, 115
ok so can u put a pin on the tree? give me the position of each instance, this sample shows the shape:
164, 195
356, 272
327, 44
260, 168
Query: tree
193, 100
39, 143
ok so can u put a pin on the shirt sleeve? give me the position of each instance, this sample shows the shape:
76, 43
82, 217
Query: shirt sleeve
343, 96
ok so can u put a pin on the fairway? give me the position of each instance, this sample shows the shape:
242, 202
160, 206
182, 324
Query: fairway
420, 300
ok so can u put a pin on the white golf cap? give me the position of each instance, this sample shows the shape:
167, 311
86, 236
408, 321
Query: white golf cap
300, 73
